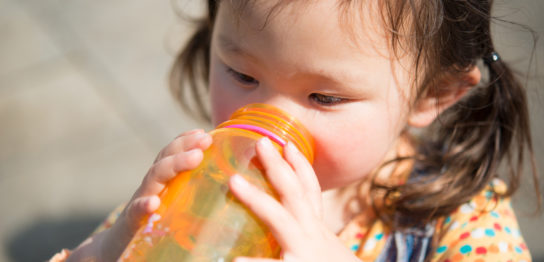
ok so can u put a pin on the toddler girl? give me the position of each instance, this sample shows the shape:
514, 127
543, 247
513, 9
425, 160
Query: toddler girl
391, 92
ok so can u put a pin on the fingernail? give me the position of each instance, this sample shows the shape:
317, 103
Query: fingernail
192, 152
265, 142
152, 203
239, 181
291, 146
199, 136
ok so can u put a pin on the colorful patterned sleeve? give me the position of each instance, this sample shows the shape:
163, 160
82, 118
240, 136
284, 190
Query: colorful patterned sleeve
484, 229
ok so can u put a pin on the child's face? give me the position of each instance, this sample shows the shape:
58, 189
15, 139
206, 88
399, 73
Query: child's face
336, 77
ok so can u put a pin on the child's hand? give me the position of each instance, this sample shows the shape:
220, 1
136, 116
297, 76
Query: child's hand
296, 220
182, 154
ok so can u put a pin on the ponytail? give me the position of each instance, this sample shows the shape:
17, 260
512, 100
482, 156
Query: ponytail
462, 157
512, 121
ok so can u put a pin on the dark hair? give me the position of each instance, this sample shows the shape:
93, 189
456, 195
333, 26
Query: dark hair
189, 73
464, 146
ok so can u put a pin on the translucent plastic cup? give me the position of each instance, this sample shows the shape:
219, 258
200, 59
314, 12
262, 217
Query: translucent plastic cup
199, 219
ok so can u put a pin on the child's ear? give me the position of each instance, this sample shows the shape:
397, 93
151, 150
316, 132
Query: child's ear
450, 89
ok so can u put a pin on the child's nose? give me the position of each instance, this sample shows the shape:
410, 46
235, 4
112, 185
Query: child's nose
279, 96
282, 102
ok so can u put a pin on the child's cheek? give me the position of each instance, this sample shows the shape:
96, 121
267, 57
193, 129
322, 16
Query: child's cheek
350, 156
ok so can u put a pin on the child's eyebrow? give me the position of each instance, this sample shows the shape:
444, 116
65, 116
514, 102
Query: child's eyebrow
231, 46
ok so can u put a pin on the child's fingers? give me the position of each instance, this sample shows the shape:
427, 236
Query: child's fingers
285, 182
166, 169
308, 180
186, 141
282, 225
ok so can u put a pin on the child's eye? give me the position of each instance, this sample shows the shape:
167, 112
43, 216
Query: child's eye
242, 78
325, 99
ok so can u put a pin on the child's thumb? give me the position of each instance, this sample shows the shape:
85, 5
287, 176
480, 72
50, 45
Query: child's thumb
138, 209
126, 226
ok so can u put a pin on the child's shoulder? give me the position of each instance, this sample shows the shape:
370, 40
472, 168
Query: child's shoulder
485, 227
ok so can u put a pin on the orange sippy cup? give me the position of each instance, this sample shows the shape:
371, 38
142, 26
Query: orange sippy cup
199, 219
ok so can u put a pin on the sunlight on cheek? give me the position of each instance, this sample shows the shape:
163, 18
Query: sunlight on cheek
349, 153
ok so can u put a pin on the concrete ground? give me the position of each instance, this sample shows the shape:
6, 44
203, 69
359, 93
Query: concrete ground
84, 108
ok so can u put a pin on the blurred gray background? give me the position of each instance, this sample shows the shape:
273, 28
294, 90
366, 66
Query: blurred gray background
84, 108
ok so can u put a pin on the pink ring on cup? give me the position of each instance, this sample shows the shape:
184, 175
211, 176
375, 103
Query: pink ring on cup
260, 130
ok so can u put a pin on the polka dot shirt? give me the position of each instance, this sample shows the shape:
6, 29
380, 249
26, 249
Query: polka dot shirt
484, 229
